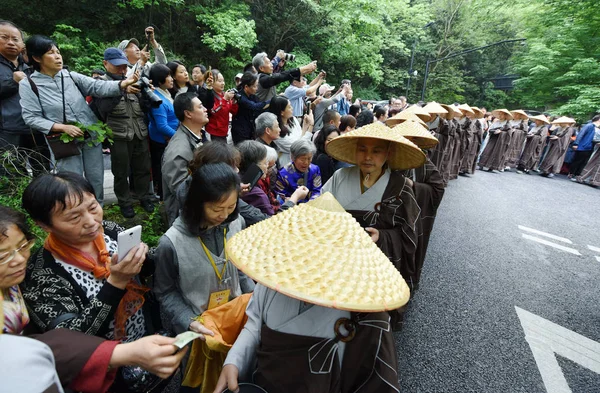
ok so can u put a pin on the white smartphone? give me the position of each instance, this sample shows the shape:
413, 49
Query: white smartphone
127, 240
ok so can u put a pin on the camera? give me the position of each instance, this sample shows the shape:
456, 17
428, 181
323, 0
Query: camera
288, 56
144, 85
236, 94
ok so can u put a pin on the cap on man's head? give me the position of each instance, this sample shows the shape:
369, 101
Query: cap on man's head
125, 43
115, 56
325, 88
238, 76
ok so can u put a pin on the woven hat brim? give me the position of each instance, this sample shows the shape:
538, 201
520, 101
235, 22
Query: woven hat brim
519, 115
412, 131
540, 118
450, 110
416, 110
465, 108
402, 117
497, 112
435, 108
564, 120
404, 154
341, 268
478, 112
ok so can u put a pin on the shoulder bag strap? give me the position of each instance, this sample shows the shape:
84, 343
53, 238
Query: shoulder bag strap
35, 90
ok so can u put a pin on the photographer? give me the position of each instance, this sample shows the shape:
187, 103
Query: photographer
124, 115
140, 59
325, 91
222, 105
242, 125
267, 80
298, 90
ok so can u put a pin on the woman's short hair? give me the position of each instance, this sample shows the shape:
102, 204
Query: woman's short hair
380, 110
322, 137
301, 148
354, 110
272, 154
48, 192
10, 217
248, 79
263, 121
210, 183
159, 74
37, 45
365, 117
347, 121
252, 152
214, 153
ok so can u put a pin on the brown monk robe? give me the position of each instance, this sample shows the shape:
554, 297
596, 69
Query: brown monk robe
534, 144
428, 186
439, 128
447, 157
591, 172
456, 151
466, 126
517, 140
469, 162
492, 156
558, 142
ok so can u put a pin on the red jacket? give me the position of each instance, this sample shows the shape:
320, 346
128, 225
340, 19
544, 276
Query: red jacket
218, 119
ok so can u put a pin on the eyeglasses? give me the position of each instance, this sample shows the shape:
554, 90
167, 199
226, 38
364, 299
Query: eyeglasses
10, 255
16, 40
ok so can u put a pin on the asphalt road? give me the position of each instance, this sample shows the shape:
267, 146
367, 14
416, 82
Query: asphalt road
462, 332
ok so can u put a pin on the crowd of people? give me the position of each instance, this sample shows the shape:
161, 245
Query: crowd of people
223, 161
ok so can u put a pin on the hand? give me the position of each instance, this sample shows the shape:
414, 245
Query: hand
228, 379
309, 119
300, 194
281, 54
144, 55
229, 95
209, 81
310, 67
149, 33
131, 80
156, 354
122, 272
316, 101
18, 76
322, 75
244, 188
554, 137
73, 131
132, 89
497, 132
374, 233
197, 327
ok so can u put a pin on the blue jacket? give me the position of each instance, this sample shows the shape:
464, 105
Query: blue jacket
11, 120
163, 122
584, 141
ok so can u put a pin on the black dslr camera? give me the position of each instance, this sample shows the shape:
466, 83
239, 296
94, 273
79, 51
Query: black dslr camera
144, 85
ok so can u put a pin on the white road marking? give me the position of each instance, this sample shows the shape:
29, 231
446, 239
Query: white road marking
546, 234
597, 249
551, 244
597, 258
546, 339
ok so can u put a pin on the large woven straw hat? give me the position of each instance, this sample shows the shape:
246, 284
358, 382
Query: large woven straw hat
403, 153
564, 120
450, 109
478, 112
417, 110
541, 118
466, 109
519, 115
324, 257
435, 108
402, 117
413, 131
497, 112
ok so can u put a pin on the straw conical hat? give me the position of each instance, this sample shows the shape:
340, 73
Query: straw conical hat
564, 120
403, 153
497, 112
519, 115
435, 108
412, 131
417, 110
478, 112
466, 109
450, 109
341, 268
402, 117
541, 118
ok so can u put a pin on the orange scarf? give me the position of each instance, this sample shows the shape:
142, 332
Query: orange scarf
134, 297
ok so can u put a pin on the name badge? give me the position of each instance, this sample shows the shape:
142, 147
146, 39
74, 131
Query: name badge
218, 298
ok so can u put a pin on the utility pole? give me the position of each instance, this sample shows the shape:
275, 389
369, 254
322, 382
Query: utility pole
464, 52
412, 61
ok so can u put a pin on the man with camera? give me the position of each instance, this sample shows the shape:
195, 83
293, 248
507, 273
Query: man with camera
140, 59
298, 90
267, 79
124, 115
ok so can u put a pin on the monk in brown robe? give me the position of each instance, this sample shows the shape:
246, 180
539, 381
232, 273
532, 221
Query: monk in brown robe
534, 144
558, 143
591, 173
500, 132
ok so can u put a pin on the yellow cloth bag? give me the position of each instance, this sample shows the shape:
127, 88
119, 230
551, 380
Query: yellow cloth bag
206, 358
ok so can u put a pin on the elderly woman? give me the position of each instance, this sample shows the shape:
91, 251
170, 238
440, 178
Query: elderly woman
253, 152
73, 350
192, 251
53, 99
300, 172
376, 193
